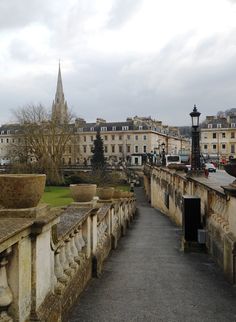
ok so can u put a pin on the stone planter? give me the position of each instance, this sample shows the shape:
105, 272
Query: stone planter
21, 190
83, 192
117, 194
230, 168
105, 193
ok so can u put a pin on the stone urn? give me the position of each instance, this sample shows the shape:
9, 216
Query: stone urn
105, 193
124, 194
230, 168
83, 192
117, 194
19, 191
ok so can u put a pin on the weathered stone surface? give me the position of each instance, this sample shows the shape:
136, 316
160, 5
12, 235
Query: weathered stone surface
21, 190
149, 279
83, 192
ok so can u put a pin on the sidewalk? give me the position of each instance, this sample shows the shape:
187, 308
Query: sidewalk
147, 278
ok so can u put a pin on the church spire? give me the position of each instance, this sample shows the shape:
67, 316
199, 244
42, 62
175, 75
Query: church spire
59, 97
59, 106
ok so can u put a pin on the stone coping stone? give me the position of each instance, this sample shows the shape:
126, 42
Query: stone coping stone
41, 210
12, 226
103, 211
71, 218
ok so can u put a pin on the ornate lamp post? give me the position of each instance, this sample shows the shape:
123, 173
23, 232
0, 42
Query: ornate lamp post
195, 156
163, 155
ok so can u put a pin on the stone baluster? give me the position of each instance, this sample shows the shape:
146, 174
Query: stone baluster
64, 261
74, 249
61, 278
69, 254
79, 244
6, 296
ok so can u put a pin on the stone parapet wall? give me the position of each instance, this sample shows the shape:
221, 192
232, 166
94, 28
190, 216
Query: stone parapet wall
165, 187
45, 263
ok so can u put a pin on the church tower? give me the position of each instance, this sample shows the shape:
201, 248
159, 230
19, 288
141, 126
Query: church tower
59, 105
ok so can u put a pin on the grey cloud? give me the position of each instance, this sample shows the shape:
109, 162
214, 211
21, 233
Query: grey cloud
121, 11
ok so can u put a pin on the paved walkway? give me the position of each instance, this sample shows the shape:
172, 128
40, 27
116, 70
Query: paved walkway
148, 279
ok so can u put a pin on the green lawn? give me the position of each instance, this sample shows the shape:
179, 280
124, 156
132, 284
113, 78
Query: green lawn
57, 196
60, 196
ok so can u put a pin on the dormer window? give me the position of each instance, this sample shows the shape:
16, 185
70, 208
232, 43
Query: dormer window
80, 129
218, 125
2, 132
8, 131
125, 128
209, 126
113, 128
92, 129
140, 127
233, 124
103, 128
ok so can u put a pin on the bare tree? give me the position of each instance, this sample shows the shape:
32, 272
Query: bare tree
43, 141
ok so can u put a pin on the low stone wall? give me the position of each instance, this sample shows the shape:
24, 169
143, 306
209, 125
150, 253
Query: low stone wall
45, 263
165, 188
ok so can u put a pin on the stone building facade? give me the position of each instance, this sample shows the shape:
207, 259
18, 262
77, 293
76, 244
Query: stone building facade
137, 135
218, 137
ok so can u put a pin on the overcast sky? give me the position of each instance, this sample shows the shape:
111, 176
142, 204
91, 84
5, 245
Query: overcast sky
119, 58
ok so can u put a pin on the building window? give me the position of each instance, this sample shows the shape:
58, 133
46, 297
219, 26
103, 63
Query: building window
223, 135
144, 149
8, 131
120, 149
92, 129
136, 137
2, 132
145, 137
218, 125
105, 137
69, 162
205, 146
113, 149
91, 137
140, 127
105, 149
128, 148
233, 124
69, 149
223, 146
120, 137
19, 140
113, 128
232, 148
125, 128
136, 149
113, 137
214, 135
209, 126
103, 128
84, 138
1, 140
7, 140
128, 137
232, 135
214, 146
91, 148
85, 148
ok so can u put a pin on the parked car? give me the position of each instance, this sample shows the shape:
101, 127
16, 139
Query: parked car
210, 167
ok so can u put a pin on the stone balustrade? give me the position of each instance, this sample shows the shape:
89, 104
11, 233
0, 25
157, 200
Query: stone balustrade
46, 262
165, 187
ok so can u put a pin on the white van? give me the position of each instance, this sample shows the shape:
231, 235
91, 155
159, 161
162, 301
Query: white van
170, 159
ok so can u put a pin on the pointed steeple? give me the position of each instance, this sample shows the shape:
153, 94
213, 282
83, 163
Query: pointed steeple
59, 97
59, 106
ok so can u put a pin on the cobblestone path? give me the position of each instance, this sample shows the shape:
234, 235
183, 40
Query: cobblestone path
148, 278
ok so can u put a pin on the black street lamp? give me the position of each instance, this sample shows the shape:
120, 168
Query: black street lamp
195, 156
163, 155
